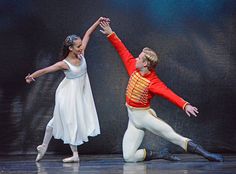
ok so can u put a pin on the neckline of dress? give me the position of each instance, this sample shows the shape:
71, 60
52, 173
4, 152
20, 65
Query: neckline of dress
73, 64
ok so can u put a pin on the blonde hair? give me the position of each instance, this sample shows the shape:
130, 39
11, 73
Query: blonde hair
151, 57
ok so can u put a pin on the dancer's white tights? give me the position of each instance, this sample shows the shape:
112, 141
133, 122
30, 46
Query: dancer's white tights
47, 136
139, 121
43, 147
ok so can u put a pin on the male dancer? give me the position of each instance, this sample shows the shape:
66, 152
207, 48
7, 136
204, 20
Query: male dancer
143, 85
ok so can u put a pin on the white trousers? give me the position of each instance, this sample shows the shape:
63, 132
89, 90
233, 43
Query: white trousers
139, 121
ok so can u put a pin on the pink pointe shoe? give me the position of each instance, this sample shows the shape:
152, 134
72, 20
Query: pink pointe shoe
41, 151
71, 160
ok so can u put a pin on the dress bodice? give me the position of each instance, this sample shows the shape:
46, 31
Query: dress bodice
76, 71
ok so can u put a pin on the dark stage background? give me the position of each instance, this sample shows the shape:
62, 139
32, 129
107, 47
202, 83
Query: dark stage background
196, 40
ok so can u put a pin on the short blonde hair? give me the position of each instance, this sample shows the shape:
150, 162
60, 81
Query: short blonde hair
151, 57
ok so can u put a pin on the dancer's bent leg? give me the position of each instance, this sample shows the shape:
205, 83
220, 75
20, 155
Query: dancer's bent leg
138, 117
131, 141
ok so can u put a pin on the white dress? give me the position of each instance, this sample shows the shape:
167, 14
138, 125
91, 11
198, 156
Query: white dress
75, 117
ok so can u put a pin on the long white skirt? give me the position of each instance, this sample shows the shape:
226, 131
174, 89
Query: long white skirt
75, 117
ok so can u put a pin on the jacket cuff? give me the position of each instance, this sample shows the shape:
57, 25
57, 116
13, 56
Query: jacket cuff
185, 105
113, 33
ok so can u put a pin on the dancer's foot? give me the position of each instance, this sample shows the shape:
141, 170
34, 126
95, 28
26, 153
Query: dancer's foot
41, 151
72, 159
195, 148
165, 154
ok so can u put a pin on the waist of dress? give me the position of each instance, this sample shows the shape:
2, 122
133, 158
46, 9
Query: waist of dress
76, 76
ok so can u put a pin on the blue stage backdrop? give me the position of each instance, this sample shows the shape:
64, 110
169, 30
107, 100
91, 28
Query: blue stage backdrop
197, 43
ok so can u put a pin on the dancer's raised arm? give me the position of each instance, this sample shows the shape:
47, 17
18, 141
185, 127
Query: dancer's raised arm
88, 33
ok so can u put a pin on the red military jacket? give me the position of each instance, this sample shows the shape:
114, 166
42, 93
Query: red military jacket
141, 88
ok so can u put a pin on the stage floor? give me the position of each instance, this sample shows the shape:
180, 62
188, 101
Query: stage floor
114, 164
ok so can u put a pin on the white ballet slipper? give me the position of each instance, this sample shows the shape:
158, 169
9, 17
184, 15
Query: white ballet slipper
41, 151
71, 160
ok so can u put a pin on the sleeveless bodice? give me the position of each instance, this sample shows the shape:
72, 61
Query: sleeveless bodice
76, 71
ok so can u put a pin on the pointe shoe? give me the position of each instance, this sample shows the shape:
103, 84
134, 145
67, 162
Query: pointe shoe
41, 151
71, 159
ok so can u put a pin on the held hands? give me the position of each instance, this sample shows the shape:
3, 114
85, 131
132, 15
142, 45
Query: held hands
103, 19
29, 79
191, 110
106, 27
